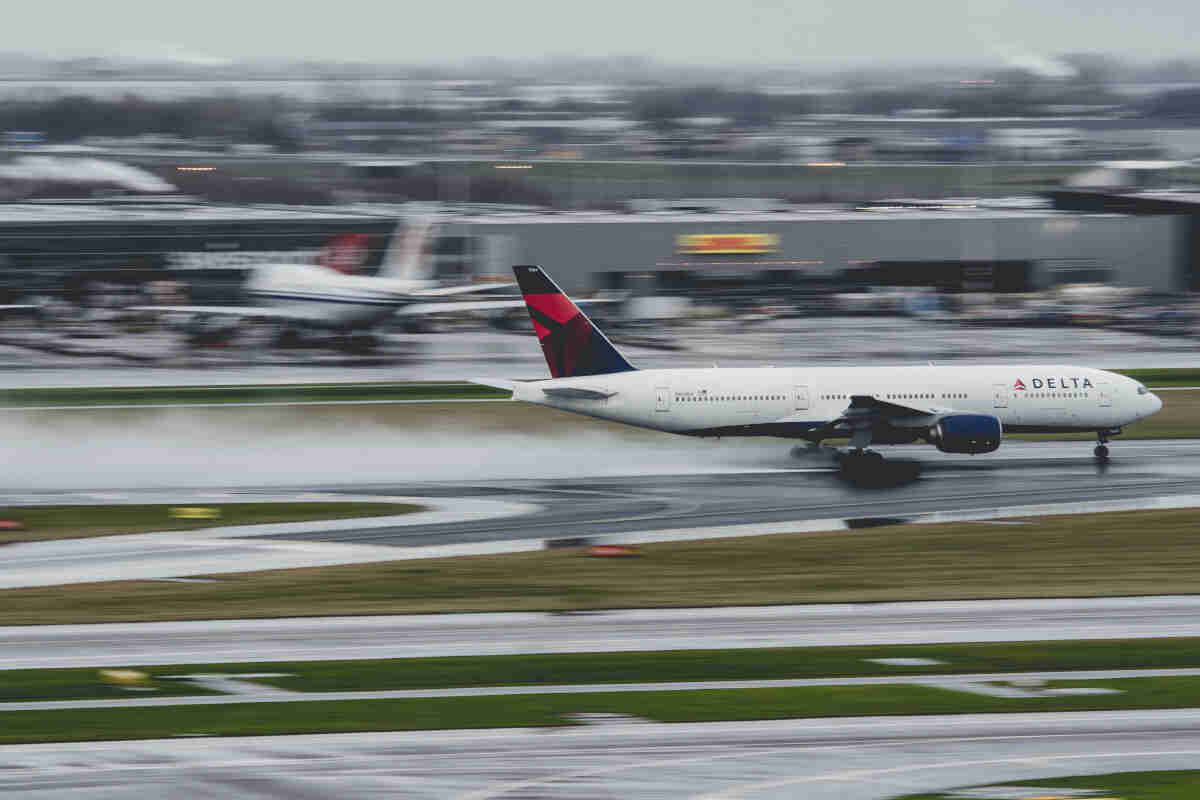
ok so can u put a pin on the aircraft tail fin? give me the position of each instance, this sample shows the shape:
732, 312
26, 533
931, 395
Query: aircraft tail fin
573, 346
407, 255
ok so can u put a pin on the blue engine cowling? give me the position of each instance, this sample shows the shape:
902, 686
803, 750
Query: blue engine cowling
966, 433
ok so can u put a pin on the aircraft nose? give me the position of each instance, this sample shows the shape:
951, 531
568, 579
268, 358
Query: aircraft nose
1155, 403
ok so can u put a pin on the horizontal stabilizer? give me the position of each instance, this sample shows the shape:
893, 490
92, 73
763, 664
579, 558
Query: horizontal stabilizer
495, 383
577, 393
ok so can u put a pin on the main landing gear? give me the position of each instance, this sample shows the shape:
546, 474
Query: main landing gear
851, 459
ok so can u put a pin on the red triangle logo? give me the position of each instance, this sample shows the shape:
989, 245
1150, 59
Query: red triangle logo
1020, 387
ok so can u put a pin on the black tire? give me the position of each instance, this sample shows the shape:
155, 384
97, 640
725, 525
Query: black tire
1101, 452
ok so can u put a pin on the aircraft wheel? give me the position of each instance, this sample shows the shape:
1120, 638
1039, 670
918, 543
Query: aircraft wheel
1101, 452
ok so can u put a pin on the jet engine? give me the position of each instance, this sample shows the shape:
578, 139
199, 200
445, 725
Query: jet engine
966, 433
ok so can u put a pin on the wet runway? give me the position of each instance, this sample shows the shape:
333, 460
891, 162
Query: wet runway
836, 759
783, 489
747, 491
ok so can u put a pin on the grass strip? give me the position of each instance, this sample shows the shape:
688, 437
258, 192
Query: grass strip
1164, 377
42, 523
1097, 555
1166, 785
632, 667
22, 685
702, 665
267, 393
545, 710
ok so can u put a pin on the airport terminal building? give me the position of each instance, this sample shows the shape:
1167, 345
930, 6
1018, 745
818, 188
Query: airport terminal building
953, 249
50, 247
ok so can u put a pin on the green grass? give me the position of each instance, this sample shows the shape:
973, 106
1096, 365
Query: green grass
43, 523
1167, 785
1114, 554
702, 665
547, 710
21, 685
268, 393
633, 667
1164, 378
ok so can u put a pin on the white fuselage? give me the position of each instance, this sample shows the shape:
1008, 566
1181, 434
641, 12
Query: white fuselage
790, 401
328, 298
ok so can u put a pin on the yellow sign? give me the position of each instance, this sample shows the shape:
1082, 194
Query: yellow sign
195, 512
732, 243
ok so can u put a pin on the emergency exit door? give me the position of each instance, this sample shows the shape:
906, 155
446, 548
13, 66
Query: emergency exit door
801, 398
662, 398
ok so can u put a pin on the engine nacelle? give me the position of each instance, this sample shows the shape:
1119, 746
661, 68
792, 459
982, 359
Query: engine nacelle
966, 433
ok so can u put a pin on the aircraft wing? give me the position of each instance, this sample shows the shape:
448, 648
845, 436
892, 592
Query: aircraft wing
866, 411
241, 312
422, 309
892, 410
470, 288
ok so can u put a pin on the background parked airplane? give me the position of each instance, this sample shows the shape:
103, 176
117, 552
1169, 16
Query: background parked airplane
327, 297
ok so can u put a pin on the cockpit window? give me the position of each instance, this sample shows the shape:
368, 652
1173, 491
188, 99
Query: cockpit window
1142, 389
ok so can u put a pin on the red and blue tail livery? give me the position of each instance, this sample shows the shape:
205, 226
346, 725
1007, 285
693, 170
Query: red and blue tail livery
572, 344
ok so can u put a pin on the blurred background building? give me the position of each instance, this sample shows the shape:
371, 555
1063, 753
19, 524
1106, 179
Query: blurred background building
951, 192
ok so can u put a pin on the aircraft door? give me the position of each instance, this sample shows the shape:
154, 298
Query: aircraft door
1105, 393
662, 398
802, 398
999, 395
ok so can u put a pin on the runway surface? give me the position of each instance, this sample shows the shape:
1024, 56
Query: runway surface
747, 490
782, 489
328, 638
835, 759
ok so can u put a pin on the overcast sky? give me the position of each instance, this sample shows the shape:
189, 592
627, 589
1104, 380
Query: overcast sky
817, 32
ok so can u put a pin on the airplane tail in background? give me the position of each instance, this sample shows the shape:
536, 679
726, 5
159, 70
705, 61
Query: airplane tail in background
572, 344
406, 257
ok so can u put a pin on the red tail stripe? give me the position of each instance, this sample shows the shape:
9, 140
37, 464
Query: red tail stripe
557, 307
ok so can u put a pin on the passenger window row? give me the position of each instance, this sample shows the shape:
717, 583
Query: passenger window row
715, 398
1056, 394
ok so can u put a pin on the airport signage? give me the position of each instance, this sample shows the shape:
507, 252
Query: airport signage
726, 243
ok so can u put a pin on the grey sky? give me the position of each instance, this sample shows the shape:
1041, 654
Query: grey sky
753, 31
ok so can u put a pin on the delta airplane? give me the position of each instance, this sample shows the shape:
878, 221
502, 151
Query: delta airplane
958, 409
324, 296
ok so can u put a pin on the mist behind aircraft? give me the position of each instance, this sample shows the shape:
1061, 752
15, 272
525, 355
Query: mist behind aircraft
225, 448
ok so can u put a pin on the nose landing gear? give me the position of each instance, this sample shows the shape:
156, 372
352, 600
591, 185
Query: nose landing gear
1101, 451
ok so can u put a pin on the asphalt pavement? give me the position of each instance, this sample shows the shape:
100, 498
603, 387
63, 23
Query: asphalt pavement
419, 635
867, 758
